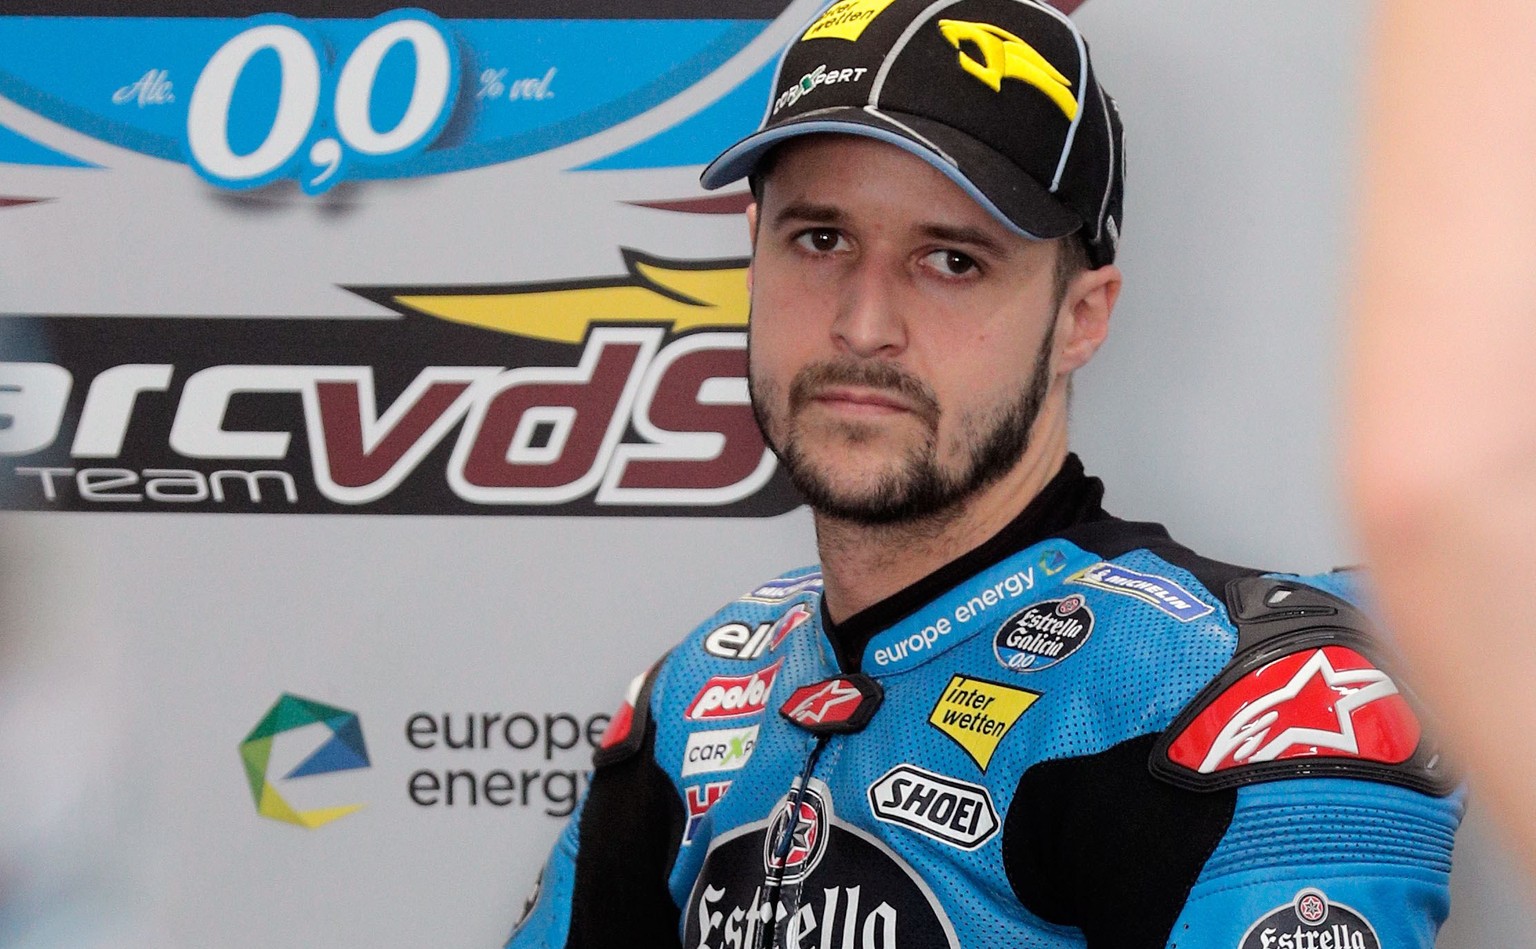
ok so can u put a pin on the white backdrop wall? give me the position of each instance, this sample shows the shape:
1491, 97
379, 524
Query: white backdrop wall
143, 640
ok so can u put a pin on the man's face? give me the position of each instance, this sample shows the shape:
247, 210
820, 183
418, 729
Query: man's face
900, 336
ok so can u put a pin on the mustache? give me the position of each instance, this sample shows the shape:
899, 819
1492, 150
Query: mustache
813, 379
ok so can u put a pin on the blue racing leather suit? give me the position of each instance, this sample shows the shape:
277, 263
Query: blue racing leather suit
1078, 734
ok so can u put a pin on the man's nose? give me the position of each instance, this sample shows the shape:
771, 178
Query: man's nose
869, 322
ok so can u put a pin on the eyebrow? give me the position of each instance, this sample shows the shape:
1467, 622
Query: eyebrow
805, 212
969, 236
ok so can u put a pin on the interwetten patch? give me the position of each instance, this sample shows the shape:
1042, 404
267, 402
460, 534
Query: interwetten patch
977, 714
846, 20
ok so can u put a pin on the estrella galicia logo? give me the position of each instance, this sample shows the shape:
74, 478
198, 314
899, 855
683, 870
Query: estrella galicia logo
1041, 635
343, 751
1311, 919
833, 884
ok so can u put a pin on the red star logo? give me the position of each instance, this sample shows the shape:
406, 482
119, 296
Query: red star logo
831, 698
1323, 702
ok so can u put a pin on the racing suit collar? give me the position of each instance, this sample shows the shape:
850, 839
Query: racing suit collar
1071, 497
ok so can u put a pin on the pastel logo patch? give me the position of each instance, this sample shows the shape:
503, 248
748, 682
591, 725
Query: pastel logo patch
733, 696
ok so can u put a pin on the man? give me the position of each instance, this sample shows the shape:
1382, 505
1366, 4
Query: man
994, 714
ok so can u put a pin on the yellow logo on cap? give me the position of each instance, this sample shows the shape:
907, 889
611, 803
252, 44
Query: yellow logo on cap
977, 714
845, 20
1008, 57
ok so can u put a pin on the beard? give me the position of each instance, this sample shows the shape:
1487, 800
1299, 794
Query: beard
917, 487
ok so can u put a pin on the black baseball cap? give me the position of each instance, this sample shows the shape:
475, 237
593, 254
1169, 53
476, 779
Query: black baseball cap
999, 95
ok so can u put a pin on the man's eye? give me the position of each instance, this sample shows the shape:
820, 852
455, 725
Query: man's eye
821, 240
951, 262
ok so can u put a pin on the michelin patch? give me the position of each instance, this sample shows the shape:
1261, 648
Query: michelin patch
1149, 588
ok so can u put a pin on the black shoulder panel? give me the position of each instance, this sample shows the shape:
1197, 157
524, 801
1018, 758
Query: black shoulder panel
1111, 537
630, 829
1309, 693
627, 729
1096, 842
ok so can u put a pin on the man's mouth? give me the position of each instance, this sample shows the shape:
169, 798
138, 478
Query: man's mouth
862, 401
866, 391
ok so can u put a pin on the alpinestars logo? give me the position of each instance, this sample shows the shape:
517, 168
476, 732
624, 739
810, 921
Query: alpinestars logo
343, 751
1328, 702
622, 395
836, 706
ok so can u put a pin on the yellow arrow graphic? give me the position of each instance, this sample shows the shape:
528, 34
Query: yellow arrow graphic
684, 294
1005, 56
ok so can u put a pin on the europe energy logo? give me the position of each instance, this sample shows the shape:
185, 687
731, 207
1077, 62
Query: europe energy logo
344, 750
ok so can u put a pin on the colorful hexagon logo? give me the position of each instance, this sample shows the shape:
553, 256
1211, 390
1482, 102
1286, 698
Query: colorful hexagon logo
343, 751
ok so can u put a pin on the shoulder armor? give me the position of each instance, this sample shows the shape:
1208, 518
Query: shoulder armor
1308, 693
626, 730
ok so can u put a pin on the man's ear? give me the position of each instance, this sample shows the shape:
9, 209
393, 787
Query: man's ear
1083, 320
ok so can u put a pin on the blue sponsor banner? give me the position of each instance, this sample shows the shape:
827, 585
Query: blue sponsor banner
249, 101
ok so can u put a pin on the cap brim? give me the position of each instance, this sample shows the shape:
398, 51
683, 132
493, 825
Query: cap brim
1003, 189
